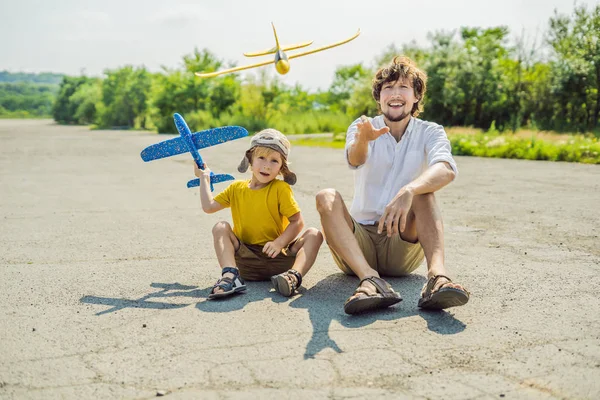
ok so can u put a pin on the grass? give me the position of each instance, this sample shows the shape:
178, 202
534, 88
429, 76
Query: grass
528, 146
22, 115
318, 142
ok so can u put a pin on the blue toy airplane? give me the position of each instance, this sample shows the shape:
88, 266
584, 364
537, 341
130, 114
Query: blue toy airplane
192, 142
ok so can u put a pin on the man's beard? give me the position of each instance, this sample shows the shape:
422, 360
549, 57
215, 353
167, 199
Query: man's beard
396, 119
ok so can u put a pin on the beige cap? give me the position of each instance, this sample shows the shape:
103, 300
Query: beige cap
272, 139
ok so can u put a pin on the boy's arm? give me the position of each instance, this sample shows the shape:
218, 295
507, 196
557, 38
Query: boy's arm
209, 205
290, 233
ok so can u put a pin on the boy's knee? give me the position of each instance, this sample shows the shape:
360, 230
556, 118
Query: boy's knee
221, 227
326, 199
315, 233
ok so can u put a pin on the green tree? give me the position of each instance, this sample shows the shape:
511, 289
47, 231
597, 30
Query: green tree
197, 90
576, 45
480, 74
183, 92
361, 100
223, 94
124, 97
85, 99
444, 99
64, 108
44, 77
23, 99
346, 79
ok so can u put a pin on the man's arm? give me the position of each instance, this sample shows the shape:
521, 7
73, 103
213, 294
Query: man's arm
431, 180
290, 233
357, 152
442, 167
359, 149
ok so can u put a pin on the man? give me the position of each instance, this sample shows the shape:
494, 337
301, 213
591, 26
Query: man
394, 221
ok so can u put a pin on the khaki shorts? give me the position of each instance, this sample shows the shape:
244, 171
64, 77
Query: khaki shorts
254, 265
388, 256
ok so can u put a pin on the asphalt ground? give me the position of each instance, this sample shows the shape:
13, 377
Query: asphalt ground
106, 263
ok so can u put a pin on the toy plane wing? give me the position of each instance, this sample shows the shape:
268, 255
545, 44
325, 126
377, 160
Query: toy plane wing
202, 139
216, 178
274, 49
227, 71
324, 47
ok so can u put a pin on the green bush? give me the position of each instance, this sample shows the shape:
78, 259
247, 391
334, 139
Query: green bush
576, 148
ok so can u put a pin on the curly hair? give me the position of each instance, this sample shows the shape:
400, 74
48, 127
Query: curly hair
402, 67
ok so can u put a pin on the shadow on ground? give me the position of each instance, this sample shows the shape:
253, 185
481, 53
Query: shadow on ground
168, 290
324, 303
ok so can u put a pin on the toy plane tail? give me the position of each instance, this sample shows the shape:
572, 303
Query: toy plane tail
276, 38
214, 178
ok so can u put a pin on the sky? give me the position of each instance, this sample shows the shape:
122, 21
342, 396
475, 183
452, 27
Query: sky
75, 37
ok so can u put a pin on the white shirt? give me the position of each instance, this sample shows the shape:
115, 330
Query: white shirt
390, 165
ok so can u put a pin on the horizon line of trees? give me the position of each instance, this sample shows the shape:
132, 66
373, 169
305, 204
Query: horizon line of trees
26, 95
476, 77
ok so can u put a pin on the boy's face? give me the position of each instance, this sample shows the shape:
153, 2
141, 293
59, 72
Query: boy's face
266, 165
397, 99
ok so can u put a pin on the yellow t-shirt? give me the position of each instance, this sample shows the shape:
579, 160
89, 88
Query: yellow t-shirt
259, 216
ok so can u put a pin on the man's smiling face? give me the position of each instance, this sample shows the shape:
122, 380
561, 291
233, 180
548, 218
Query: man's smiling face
396, 99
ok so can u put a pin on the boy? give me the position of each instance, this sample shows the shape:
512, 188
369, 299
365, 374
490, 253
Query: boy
262, 244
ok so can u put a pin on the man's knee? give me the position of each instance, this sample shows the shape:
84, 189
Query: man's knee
425, 200
327, 199
221, 228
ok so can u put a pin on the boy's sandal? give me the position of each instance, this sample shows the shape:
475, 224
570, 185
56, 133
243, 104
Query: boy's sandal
442, 298
285, 284
228, 285
385, 297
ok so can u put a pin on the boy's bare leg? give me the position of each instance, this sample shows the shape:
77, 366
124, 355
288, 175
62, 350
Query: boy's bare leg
226, 244
306, 249
338, 229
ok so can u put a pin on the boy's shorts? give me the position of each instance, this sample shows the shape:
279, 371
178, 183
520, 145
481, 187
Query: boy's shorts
388, 256
254, 265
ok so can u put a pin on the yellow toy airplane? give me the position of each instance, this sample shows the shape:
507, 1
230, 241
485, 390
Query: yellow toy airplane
282, 64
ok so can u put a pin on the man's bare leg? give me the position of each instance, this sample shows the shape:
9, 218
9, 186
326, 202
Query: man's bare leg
338, 230
425, 224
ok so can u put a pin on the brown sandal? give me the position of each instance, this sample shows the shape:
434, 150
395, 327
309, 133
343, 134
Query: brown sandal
285, 284
444, 297
385, 297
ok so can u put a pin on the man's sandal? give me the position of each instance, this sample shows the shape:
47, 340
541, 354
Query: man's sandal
228, 285
285, 283
385, 297
444, 297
